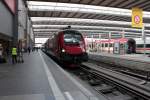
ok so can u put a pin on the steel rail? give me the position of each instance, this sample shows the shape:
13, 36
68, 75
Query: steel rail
139, 90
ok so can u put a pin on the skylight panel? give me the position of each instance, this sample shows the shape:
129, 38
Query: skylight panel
37, 30
89, 27
54, 19
53, 6
77, 20
56, 30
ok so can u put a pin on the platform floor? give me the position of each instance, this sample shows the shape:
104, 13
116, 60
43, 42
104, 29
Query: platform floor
39, 78
136, 57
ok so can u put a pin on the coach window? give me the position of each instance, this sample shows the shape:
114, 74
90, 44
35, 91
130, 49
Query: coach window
106, 44
102, 45
140, 46
147, 45
110, 45
131, 46
121, 45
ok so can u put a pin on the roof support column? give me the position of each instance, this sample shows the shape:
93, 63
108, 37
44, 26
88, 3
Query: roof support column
92, 42
109, 42
123, 37
15, 25
123, 34
26, 28
144, 38
100, 46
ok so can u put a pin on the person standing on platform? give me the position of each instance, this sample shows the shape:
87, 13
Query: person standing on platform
14, 55
1, 53
7, 51
37, 49
33, 49
29, 50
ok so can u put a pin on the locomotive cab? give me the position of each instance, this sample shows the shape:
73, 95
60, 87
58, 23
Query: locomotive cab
68, 47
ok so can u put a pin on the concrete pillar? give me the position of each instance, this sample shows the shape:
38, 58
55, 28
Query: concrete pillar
15, 25
109, 38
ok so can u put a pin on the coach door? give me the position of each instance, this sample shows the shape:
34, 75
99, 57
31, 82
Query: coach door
131, 46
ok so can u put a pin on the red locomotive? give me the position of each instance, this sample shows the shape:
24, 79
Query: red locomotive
68, 46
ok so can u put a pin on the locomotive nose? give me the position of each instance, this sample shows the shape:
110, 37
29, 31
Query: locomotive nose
74, 50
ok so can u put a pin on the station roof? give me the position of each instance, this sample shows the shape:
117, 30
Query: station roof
88, 16
125, 4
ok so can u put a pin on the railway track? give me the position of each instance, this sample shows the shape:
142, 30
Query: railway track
113, 85
144, 75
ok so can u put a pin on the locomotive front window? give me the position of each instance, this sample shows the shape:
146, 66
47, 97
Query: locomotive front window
72, 38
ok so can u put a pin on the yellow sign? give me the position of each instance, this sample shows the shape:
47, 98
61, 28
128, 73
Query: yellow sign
137, 17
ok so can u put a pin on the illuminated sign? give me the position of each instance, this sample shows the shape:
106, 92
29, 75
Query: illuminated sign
137, 17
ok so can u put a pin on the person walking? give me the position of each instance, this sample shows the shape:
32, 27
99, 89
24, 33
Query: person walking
14, 55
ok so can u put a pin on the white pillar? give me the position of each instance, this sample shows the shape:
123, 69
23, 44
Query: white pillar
100, 42
92, 42
123, 34
109, 42
144, 38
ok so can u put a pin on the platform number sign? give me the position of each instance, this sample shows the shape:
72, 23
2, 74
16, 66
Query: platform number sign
137, 17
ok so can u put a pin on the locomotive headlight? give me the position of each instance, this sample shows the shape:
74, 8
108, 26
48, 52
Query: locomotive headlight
63, 50
83, 50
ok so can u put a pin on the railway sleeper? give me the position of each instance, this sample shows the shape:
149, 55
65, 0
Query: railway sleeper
113, 93
135, 75
84, 77
121, 97
105, 89
94, 82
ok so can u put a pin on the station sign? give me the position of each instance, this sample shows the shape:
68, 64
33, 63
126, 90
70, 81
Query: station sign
137, 17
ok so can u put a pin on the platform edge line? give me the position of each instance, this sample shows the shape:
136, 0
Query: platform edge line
82, 88
68, 95
56, 91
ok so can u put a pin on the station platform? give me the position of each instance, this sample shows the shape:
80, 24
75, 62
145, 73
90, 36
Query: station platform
133, 61
40, 78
